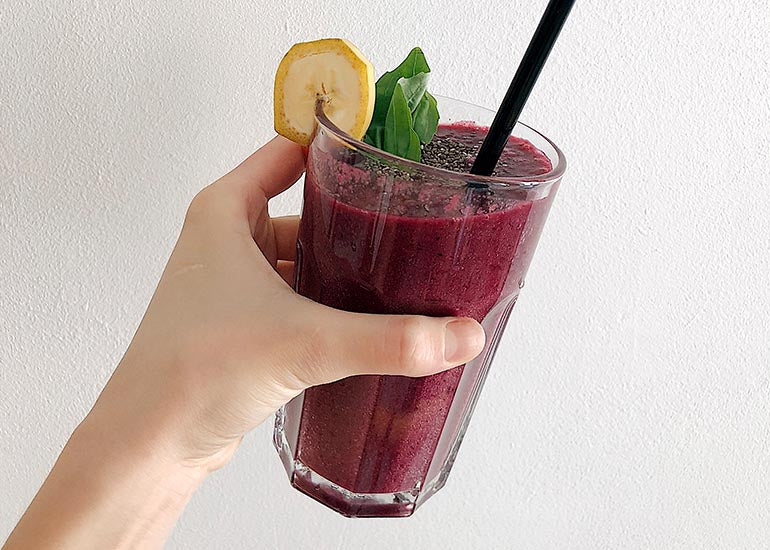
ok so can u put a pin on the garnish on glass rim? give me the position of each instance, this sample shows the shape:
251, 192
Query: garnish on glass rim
331, 70
397, 114
405, 114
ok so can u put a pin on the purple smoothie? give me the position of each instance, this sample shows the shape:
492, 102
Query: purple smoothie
423, 248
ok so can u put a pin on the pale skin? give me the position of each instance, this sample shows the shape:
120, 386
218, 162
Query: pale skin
224, 343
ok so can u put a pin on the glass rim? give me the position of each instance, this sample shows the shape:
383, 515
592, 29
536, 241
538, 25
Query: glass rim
530, 182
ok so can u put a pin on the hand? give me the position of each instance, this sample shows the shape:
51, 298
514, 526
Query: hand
225, 341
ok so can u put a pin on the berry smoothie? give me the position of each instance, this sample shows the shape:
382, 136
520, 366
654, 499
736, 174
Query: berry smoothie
377, 239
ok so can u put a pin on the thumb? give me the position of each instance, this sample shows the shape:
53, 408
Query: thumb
346, 344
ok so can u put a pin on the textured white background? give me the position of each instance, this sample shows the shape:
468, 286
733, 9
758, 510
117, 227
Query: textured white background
630, 403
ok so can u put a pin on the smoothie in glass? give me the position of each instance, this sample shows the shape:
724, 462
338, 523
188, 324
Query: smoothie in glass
381, 235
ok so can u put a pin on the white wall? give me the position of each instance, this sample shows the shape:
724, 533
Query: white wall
629, 405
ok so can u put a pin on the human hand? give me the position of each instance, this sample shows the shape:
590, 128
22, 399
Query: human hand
226, 341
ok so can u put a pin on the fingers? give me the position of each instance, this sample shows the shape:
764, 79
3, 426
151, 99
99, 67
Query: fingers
271, 169
348, 344
285, 229
239, 199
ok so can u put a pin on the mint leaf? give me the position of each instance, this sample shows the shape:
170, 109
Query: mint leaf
414, 89
425, 118
399, 138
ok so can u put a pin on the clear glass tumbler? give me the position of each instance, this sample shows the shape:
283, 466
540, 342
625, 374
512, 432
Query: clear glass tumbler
380, 234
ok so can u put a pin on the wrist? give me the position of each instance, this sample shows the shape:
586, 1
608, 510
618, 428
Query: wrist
133, 475
108, 492
163, 422
140, 449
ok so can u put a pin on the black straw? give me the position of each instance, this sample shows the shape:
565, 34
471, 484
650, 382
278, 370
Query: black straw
526, 75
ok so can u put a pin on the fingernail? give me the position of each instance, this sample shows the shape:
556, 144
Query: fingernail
463, 340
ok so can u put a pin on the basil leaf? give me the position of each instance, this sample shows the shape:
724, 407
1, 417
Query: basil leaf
374, 136
399, 138
414, 89
425, 118
405, 114
414, 63
415, 151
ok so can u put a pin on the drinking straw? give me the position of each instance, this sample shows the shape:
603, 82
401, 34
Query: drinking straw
523, 81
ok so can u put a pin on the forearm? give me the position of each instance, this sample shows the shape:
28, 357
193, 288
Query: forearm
106, 492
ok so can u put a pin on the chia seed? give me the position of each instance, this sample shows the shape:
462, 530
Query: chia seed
441, 152
449, 154
455, 149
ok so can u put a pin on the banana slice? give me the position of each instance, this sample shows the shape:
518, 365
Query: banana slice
333, 71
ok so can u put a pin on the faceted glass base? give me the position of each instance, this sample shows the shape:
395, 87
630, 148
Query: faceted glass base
347, 503
339, 499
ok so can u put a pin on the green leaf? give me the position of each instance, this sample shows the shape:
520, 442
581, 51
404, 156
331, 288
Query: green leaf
399, 138
405, 114
374, 136
415, 151
414, 89
425, 118
414, 63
